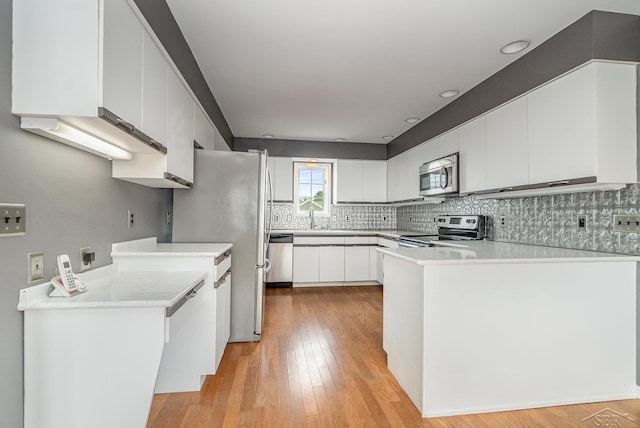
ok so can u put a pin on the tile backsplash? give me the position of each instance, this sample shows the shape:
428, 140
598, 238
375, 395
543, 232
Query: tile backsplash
350, 217
542, 220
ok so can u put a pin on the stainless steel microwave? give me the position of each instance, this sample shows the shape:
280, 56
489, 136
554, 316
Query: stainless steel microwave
440, 176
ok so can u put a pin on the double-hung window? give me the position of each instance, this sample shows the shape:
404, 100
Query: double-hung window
312, 187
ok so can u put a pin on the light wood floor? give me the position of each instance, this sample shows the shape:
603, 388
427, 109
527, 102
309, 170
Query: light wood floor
321, 364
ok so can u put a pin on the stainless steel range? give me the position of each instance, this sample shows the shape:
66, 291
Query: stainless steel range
450, 228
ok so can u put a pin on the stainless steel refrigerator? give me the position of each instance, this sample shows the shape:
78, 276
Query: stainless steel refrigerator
230, 202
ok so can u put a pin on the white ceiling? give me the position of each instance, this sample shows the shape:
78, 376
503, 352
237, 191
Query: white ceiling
356, 69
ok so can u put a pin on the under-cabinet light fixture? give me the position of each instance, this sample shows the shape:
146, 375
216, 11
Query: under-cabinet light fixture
387, 137
268, 136
339, 140
68, 134
412, 120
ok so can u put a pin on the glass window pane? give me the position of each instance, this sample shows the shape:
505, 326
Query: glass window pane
304, 190
318, 176
305, 176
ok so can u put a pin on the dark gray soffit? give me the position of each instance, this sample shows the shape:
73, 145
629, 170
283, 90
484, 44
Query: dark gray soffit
161, 20
597, 35
313, 149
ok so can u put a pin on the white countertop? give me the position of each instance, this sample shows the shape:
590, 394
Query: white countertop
107, 288
150, 247
474, 252
389, 233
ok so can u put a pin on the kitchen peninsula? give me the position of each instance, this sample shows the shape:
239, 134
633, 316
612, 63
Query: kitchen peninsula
490, 326
94, 359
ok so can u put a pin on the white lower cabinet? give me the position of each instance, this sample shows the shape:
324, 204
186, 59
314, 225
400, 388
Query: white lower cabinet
305, 264
334, 259
213, 308
356, 263
387, 243
331, 264
373, 263
222, 295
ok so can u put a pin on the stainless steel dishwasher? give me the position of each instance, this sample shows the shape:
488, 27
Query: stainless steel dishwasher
281, 255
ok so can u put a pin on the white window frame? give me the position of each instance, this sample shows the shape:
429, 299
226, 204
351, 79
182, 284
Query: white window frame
328, 174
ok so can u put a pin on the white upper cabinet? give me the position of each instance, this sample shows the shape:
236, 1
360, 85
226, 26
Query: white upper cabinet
105, 73
349, 179
179, 130
154, 90
361, 181
374, 181
281, 170
446, 144
122, 62
402, 173
584, 125
472, 161
203, 133
507, 157
562, 128
82, 62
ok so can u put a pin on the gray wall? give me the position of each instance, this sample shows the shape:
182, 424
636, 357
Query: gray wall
313, 149
72, 202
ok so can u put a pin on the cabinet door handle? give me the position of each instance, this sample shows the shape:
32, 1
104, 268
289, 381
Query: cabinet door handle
178, 180
126, 124
222, 280
224, 256
559, 183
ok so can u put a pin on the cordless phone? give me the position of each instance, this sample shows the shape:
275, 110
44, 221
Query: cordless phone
67, 284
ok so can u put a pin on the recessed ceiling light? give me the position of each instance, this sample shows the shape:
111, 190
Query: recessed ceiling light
388, 137
412, 120
339, 139
268, 136
515, 47
450, 93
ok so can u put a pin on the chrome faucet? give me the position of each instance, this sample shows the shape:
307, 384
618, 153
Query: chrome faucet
313, 218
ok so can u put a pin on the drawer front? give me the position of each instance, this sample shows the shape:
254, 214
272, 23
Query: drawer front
356, 240
222, 268
318, 240
389, 243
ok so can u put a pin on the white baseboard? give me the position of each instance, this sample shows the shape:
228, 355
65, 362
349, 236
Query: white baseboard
530, 405
334, 284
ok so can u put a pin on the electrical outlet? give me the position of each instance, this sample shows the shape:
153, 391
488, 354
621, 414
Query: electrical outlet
410, 219
434, 219
276, 217
626, 223
582, 222
502, 220
334, 218
85, 265
35, 266
167, 217
384, 218
129, 218
346, 218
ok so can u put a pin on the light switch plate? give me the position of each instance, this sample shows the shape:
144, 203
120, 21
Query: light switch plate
35, 267
13, 220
